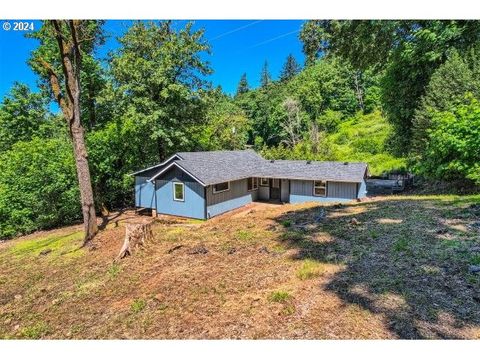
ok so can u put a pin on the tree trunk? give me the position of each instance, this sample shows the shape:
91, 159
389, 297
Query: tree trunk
136, 234
84, 182
71, 60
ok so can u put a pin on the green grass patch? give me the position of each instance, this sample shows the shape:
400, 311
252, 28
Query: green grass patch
310, 269
279, 296
114, 270
138, 305
36, 331
475, 259
401, 245
244, 235
286, 223
58, 244
293, 236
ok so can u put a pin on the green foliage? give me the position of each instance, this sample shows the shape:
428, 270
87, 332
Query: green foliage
159, 73
458, 76
23, 115
243, 85
38, 186
453, 145
279, 296
290, 68
226, 128
310, 269
138, 305
265, 77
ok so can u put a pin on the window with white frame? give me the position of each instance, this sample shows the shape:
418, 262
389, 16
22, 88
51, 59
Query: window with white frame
178, 191
221, 187
252, 184
319, 188
264, 182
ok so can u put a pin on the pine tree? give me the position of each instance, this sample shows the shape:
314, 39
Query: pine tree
290, 69
265, 78
242, 85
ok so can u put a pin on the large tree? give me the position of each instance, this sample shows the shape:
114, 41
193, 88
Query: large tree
265, 77
58, 60
160, 77
243, 86
290, 68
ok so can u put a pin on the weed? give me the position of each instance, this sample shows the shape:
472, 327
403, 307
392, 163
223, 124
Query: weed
288, 310
401, 244
244, 235
287, 223
293, 236
309, 269
374, 234
138, 305
475, 259
279, 296
113, 270
36, 331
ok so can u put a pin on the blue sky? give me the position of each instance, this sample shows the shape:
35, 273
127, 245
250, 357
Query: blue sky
237, 46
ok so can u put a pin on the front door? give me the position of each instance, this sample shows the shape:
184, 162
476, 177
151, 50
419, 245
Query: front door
275, 189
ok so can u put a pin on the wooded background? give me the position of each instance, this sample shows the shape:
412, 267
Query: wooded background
396, 94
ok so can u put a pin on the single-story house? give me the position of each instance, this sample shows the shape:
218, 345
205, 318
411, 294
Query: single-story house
205, 184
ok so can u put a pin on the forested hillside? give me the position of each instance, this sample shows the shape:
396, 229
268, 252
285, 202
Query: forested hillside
396, 94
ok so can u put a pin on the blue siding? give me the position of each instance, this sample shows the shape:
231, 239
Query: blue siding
302, 191
144, 193
362, 190
193, 205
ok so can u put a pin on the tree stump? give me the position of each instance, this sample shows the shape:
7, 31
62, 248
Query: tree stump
136, 234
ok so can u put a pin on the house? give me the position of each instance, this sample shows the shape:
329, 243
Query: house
205, 184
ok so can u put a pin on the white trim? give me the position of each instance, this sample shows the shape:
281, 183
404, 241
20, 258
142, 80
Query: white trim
253, 184
263, 178
320, 187
155, 166
181, 168
223, 182
183, 191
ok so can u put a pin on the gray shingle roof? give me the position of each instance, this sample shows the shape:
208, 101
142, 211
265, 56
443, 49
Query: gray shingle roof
212, 167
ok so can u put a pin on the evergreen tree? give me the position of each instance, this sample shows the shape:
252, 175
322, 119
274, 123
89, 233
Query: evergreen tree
290, 69
265, 77
242, 85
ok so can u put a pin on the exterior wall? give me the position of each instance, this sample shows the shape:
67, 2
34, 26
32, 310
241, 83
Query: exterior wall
144, 192
237, 196
193, 205
302, 191
263, 192
284, 190
362, 189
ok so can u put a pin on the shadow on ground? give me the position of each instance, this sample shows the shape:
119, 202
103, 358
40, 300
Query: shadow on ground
406, 259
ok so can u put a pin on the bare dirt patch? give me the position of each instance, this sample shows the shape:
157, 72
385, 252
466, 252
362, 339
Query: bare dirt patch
264, 271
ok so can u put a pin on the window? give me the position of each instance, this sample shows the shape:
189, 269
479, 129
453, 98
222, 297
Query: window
178, 191
319, 188
220, 187
264, 182
252, 184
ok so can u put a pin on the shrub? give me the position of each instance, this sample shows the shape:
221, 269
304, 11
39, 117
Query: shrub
38, 187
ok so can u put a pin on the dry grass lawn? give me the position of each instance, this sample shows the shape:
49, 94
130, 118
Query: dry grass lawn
394, 267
